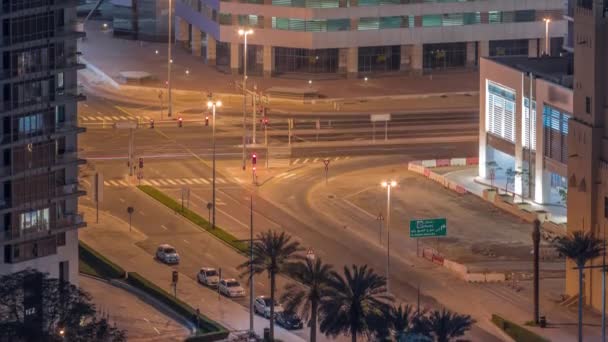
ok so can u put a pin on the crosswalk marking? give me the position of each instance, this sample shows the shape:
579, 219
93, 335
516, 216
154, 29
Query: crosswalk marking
337, 158
305, 161
220, 180
124, 117
145, 182
178, 181
162, 182
122, 182
113, 183
197, 181
115, 118
314, 161
203, 180
296, 161
99, 117
85, 118
186, 180
153, 182
171, 182
106, 183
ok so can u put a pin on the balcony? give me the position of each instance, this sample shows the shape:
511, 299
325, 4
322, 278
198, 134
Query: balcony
8, 108
59, 129
40, 71
73, 30
65, 223
20, 8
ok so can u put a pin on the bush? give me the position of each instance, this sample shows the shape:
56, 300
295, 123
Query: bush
517, 332
195, 218
209, 330
96, 264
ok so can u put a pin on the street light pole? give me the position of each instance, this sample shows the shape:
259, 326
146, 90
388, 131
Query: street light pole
388, 186
212, 105
244, 33
170, 103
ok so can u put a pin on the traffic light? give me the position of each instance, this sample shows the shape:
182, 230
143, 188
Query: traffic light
254, 159
174, 277
207, 120
180, 122
265, 121
141, 163
151, 123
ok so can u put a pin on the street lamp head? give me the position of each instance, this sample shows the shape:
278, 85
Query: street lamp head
384, 184
245, 32
218, 103
547, 20
393, 184
209, 104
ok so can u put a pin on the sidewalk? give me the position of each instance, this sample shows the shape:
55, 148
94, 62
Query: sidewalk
141, 320
469, 180
114, 55
111, 237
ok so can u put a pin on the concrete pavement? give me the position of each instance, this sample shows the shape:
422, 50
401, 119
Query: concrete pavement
142, 321
112, 238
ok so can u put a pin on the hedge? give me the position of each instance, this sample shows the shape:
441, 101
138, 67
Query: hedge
517, 332
208, 329
98, 263
195, 218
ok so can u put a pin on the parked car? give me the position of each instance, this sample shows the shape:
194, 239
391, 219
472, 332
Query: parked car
208, 276
231, 288
289, 320
262, 306
167, 254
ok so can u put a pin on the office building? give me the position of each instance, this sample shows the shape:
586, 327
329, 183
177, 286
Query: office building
38, 107
588, 139
354, 37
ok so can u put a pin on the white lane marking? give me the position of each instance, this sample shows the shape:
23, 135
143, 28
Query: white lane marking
290, 175
100, 113
84, 104
101, 118
347, 157
147, 320
296, 161
238, 180
305, 161
153, 182
158, 332
142, 213
124, 117
186, 180
316, 159
85, 118
163, 227
203, 180
115, 117
106, 183
281, 175
179, 182
171, 182
186, 241
122, 200
162, 182
337, 158
196, 181
123, 183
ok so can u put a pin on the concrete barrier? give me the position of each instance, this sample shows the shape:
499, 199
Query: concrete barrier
494, 277
475, 277
443, 162
458, 162
429, 163
472, 161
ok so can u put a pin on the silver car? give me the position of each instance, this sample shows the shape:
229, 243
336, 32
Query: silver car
208, 276
231, 288
167, 254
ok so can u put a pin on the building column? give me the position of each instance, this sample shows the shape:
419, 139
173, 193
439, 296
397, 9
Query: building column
411, 58
182, 30
471, 54
533, 48
235, 58
268, 60
519, 149
484, 17
482, 165
484, 48
352, 62
211, 50
195, 44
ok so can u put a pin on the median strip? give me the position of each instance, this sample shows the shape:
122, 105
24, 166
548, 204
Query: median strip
195, 218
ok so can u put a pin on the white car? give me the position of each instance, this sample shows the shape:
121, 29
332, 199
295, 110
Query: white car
262, 306
167, 254
208, 276
231, 288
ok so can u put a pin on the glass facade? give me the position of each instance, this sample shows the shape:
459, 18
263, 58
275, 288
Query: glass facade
500, 111
289, 60
379, 58
555, 123
443, 56
514, 47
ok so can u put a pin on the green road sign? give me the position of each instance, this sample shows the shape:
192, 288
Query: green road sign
428, 227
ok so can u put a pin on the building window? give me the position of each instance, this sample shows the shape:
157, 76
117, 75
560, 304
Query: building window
500, 111
605, 207
529, 125
37, 220
555, 133
61, 239
31, 124
588, 105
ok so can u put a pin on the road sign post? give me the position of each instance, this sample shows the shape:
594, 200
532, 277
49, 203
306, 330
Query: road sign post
380, 117
130, 211
326, 162
174, 279
421, 228
98, 196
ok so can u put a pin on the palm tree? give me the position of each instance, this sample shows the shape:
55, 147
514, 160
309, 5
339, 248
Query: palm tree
315, 276
402, 319
272, 251
445, 325
580, 247
353, 302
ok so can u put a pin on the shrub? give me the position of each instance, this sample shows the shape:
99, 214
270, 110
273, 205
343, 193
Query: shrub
517, 332
99, 264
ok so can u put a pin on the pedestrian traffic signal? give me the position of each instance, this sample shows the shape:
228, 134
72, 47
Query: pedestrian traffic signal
141, 163
207, 120
179, 121
254, 159
265, 121
174, 277
151, 123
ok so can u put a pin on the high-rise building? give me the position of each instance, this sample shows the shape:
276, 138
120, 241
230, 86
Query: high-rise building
38, 123
353, 37
588, 138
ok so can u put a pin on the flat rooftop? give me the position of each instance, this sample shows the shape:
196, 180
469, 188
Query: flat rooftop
557, 70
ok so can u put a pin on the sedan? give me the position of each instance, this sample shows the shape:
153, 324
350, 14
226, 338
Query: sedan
262, 306
289, 320
208, 276
231, 288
